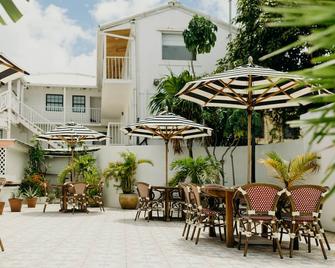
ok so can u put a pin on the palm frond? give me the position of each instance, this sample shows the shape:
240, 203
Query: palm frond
302, 165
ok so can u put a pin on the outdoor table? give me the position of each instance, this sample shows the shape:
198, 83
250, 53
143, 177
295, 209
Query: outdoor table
165, 195
225, 193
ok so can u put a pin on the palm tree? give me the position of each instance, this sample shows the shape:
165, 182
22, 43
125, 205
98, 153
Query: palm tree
165, 99
124, 172
12, 11
294, 170
200, 170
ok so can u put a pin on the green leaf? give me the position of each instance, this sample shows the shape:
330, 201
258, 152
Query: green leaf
11, 9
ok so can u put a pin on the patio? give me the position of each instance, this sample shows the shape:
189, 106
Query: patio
113, 239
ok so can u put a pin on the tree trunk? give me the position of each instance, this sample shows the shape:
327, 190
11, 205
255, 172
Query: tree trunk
192, 64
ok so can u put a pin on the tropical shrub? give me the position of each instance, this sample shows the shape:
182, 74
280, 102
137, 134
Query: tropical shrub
294, 170
123, 172
201, 170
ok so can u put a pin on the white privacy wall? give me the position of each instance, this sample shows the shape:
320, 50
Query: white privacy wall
155, 174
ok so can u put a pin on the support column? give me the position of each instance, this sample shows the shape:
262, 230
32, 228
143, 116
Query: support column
9, 110
64, 105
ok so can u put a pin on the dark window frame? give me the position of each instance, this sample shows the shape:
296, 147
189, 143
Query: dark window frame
50, 105
80, 105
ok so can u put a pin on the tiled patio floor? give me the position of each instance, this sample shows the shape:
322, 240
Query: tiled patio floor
113, 239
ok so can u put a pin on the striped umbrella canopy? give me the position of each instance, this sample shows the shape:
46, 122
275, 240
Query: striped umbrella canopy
249, 87
167, 126
9, 71
72, 134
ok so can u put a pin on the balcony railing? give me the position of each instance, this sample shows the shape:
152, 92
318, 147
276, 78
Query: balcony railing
118, 68
80, 115
114, 134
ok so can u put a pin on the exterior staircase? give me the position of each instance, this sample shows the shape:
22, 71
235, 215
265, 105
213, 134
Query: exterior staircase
26, 115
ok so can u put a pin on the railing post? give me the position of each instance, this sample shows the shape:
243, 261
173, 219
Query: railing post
108, 135
9, 110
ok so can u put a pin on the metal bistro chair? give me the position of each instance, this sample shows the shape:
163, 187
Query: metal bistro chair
77, 196
261, 200
205, 217
176, 203
304, 219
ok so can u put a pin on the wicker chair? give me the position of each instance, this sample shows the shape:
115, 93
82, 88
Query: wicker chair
2, 184
98, 198
77, 196
304, 220
205, 217
189, 210
261, 200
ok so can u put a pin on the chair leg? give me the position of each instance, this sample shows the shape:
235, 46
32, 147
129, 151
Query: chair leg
44, 208
220, 233
324, 235
1, 246
277, 244
184, 230
292, 234
239, 240
309, 242
320, 241
198, 234
194, 228
247, 239
188, 231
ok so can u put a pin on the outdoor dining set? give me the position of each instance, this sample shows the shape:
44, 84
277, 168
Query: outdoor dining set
254, 209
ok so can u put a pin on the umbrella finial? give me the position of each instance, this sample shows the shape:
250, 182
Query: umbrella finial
250, 60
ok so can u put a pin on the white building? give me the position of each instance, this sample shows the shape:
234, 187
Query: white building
133, 53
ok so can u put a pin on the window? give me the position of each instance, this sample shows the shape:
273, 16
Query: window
173, 47
54, 102
78, 104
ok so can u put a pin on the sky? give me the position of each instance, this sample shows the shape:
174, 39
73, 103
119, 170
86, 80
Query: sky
60, 35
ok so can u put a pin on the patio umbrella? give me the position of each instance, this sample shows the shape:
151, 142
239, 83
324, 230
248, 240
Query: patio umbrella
72, 134
167, 126
9, 71
249, 87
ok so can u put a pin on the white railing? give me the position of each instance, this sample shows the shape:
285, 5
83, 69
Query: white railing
78, 115
3, 100
114, 134
118, 68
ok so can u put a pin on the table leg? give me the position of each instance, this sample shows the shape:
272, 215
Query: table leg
229, 220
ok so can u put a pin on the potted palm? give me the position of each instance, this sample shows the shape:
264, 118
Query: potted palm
289, 172
31, 196
123, 172
15, 202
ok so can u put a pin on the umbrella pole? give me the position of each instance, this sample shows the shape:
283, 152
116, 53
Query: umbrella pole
249, 145
166, 162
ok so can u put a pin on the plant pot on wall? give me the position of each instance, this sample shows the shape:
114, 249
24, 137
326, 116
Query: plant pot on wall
15, 204
128, 201
2, 205
31, 202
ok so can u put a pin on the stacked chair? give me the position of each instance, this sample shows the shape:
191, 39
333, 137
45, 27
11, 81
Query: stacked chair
98, 197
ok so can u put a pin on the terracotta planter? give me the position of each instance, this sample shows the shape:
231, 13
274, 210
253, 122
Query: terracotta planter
128, 201
2, 205
31, 202
15, 204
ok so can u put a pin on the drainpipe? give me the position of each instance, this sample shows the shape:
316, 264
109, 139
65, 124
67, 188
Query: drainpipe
134, 69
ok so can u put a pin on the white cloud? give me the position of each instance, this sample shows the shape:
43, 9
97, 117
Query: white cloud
218, 8
107, 10
44, 40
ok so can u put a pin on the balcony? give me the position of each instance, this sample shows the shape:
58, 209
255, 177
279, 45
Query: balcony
118, 68
84, 116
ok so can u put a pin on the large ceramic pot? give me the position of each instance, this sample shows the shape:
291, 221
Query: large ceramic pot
128, 201
32, 202
2, 205
15, 204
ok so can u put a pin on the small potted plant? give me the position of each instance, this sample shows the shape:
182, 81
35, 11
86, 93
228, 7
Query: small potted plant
124, 173
31, 196
15, 202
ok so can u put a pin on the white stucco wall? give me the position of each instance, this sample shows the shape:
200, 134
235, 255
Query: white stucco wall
149, 63
35, 97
